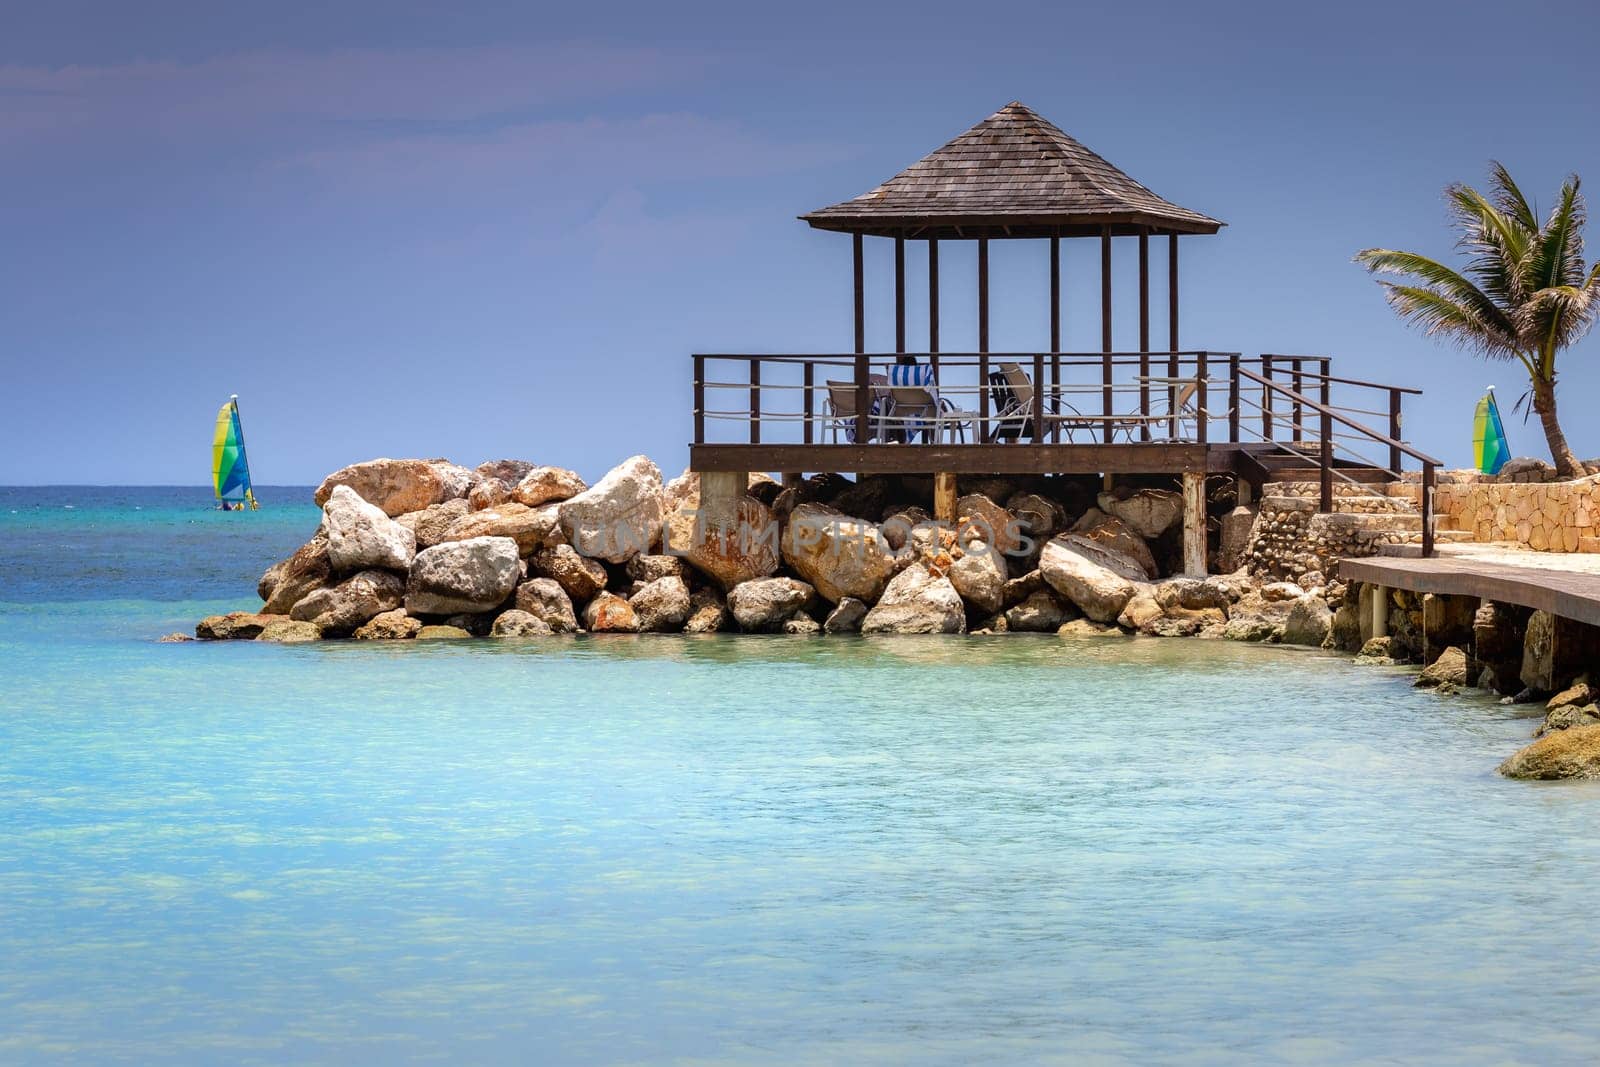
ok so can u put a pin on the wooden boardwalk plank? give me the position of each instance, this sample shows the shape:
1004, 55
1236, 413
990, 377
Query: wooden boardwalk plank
1570, 594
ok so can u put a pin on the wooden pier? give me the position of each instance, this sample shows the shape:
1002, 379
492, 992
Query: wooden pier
1568, 594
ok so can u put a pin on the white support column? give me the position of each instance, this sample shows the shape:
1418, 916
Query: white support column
1194, 522
1380, 611
944, 497
720, 493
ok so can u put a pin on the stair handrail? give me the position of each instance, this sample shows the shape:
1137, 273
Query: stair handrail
1430, 464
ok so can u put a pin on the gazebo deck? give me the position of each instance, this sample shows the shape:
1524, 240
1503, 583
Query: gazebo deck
1090, 413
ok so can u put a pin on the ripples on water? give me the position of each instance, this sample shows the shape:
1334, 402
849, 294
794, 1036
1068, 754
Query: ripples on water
768, 850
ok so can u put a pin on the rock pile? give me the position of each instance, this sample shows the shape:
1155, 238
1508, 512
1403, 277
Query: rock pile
411, 548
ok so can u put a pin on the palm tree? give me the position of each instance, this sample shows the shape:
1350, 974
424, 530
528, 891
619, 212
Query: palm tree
1524, 294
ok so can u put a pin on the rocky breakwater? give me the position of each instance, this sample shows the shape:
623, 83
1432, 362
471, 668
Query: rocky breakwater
412, 548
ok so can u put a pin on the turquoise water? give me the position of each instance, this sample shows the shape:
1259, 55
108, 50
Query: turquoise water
740, 850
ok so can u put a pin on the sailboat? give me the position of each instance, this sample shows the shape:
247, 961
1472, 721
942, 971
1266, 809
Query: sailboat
1489, 436
230, 470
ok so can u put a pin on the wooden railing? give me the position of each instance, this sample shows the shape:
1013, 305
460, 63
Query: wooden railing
1071, 396
1275, 404
1327, 440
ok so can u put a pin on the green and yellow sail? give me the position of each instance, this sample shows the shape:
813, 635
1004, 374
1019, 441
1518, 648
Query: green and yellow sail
1489, 446
230, 470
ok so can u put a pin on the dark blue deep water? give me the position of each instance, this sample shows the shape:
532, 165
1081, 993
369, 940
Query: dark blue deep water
740, 850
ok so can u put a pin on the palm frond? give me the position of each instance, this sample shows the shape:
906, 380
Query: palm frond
1558, 317
1444, 283
1508, 197
1497, 244
1438, 315
1557, 258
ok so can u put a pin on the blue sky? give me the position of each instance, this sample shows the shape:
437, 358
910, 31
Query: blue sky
499, 230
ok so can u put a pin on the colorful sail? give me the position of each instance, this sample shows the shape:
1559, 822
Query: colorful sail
230, 470
1489, 436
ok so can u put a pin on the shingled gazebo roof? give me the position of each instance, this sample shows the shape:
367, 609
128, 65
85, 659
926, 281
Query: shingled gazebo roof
1014, 174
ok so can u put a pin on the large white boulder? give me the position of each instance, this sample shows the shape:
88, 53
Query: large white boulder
531, 528
839, 555
764, 605
980, 577
1150, 512
1097, 579
338, 610
544, 597
917, 601
742, 551
662, 606
1118, 536
620, 517
463, 576
547, 485
581, 578
399, 485
360, 535
286, 581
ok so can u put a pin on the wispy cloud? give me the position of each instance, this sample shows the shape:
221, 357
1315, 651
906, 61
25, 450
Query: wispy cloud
280, 89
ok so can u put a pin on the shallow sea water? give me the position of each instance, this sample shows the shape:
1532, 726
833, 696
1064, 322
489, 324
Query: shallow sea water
741, 849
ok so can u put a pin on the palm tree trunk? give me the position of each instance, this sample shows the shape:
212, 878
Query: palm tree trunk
1544, 402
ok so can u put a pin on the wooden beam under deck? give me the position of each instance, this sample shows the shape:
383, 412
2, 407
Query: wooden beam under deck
1138, 458
1570, 594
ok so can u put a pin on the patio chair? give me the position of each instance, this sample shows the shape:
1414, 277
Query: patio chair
1011, 403
841, 409
917, 409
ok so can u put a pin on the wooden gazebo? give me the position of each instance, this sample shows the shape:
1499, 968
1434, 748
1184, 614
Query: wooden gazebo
1015, 175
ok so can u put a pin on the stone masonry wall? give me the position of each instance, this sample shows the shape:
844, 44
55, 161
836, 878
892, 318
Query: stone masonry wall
1290, 538
1547, 516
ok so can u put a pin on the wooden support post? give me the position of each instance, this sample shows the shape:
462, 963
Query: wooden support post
1144, 291
1297, 377
1172, 397
1038, 397
699, 400
1172, 292
1144, 334
792, 479
1233, 398
983, 396
1194, 522
1266, 398
1105, 288
899, 294
1055, 294
944, 497
1202, 413
1325, 463
863, 401
1108, 428
808, 402
1429, 476
1394, 430
983, 294
1055, 396
861, 295
755, 401
933, 297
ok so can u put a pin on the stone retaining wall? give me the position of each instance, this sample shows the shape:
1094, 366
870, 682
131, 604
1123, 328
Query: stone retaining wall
1290, 538
1546, 517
